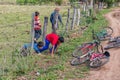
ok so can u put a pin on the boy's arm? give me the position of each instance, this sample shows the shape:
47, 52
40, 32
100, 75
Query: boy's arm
52, 53
60, 19
56, 48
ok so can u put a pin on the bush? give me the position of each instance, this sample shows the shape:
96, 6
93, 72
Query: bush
59, 2
21, 2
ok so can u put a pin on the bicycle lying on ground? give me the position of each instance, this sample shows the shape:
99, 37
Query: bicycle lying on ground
95, 59
113, 43
115, 39
104, 34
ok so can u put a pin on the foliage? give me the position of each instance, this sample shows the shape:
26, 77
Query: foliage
59, 2
73, 1
111, 2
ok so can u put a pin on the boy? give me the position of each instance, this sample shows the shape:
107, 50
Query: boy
37, 26
55, 40
36, 47
55, 16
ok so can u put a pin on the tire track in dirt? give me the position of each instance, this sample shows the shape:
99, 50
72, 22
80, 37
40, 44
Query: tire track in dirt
110, 71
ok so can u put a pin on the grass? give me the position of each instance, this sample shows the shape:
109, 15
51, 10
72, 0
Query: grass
12, 37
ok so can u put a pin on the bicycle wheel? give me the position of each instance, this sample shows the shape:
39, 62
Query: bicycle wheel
79, 51
78, 61
98, 62
112, 45
109, 31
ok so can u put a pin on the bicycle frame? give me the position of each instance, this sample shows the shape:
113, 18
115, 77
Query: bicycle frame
89, 46
95, 55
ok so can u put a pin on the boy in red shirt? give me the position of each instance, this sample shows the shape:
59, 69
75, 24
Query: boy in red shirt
55, 40
37, 26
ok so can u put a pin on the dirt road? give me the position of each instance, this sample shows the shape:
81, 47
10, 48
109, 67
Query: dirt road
110, 71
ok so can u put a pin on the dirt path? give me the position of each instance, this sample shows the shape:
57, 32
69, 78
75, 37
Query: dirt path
110, 71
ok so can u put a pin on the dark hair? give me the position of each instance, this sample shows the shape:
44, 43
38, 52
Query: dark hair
36, 13
61, 39
40, 44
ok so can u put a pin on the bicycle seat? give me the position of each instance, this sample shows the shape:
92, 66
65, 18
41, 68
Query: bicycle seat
107, 54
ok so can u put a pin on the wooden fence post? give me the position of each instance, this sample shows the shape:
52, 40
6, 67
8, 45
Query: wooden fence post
91, 4
68, 20
84, 6
73, 19
45, 28
78, 17
32, 30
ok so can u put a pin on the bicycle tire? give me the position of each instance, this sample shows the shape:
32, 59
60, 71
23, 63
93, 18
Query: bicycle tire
77, 52
107, 36
115, 39
99, 62
114, 45
79, 60
109, 31
108, 47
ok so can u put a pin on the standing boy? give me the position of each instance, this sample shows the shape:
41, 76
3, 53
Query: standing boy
55, 16
37, 26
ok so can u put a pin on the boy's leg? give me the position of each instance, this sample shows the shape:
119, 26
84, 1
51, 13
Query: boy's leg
35, 34
54, 48
27, 45
39, 34
53, 28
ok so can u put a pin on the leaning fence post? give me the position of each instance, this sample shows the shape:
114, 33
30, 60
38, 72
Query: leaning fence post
32, 30
45, 28
73, 19
68, 20
78, 18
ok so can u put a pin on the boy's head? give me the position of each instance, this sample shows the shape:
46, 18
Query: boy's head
61, 39
57, 9
36, 13
40, 44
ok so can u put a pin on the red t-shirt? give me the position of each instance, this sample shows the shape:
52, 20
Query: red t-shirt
53, 38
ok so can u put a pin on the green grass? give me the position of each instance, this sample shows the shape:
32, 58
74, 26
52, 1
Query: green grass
13, 37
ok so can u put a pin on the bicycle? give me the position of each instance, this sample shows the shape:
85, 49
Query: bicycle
115, 39
113, 44
95, 59
104, 34
84, 48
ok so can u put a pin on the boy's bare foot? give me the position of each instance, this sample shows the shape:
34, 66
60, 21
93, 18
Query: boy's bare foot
52, 55
40, 54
